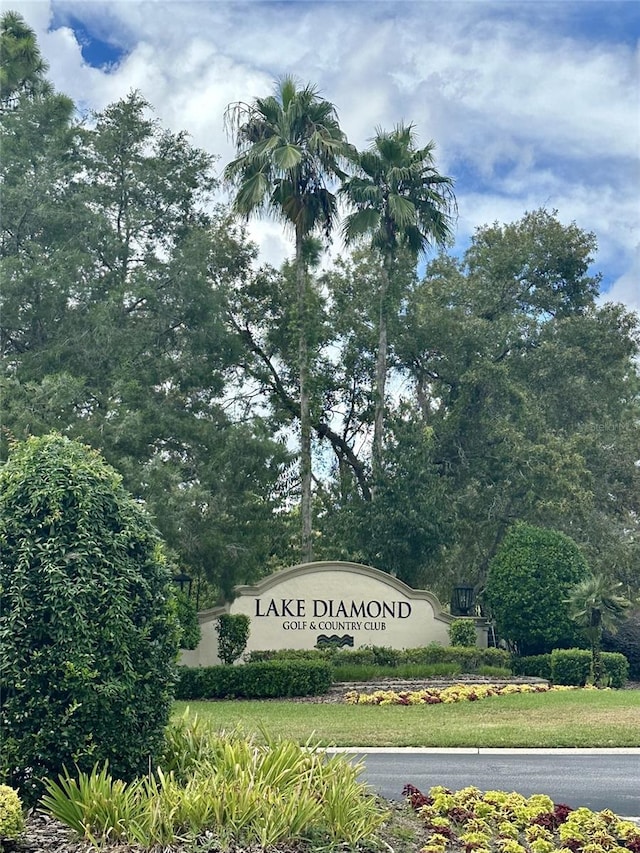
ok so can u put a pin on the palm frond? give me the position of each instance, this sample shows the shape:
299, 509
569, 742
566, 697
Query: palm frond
360, 223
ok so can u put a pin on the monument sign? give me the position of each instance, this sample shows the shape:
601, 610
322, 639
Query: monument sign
343, 603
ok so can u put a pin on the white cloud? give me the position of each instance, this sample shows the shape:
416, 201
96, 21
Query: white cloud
626, 289
524, 112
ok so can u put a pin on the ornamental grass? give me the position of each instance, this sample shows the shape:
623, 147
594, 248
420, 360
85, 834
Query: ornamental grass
221, 790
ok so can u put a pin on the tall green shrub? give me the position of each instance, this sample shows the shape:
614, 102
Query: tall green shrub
88, 632
527, 587
233, 633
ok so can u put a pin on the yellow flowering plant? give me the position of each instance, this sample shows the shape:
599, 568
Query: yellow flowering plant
447, 695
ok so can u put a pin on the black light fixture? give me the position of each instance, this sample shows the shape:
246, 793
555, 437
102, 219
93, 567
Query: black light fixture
462, 599
184, 581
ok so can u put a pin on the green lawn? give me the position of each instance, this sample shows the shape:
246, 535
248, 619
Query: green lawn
588, 718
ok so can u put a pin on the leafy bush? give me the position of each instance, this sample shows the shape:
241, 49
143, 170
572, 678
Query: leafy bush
573, 666
267, 680
616, 668
87, 623
11, 817
190, 632
527, 586
233, 633
462, 632
570, 666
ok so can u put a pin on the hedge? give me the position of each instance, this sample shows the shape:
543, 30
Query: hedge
534, 666
573, 666
469, 658
263, 680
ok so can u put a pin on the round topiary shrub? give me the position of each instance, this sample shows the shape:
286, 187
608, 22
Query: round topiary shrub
527, 587
88, 631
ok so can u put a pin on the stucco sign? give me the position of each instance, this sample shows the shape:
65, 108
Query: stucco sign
344, 603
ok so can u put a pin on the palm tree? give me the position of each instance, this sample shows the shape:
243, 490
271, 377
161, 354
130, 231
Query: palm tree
594, 606
289, 147
401, 203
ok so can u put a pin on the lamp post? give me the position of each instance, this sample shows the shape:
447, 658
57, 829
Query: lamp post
183, 580
462, 599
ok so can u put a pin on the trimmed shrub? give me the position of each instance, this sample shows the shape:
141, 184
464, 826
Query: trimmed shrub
573, 666
534, 666
266, 680
11, 817
527, 586
462, 632
233, 633
570, 666
616, 668
88, 629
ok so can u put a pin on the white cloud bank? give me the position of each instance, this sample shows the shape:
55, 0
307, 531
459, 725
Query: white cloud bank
525, 111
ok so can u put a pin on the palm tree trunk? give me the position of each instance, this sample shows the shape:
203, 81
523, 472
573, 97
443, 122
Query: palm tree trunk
305, 414
381, 364
596, 647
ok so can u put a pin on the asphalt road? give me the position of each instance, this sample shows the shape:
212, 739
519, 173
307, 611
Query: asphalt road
592, 778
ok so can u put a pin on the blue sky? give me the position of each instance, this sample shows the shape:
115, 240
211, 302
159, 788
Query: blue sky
529, 103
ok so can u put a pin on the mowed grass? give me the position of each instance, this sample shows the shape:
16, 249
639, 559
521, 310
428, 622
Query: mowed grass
577, 718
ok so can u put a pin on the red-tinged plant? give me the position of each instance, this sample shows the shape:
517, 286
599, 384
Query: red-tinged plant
415, 796
552, 820
633, 843
561, 812
460, 815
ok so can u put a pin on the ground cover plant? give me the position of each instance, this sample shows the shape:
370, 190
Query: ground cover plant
510, 823
445, 695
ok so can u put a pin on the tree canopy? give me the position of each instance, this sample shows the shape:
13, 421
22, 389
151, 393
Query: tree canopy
415, 411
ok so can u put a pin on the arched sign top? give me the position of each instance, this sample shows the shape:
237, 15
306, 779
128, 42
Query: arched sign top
302, 571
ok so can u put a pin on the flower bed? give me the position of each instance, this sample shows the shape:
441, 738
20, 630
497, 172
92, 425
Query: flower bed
498, 822
446, 695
